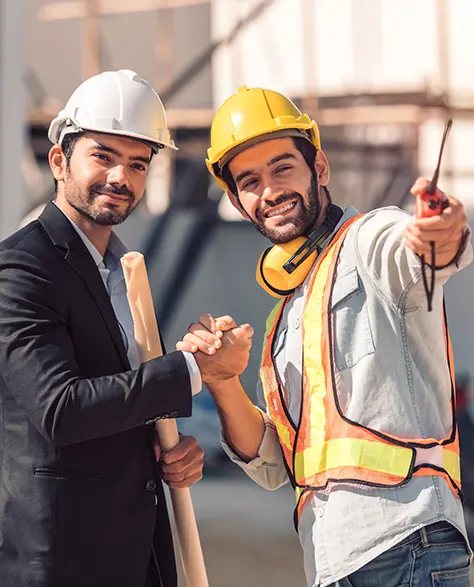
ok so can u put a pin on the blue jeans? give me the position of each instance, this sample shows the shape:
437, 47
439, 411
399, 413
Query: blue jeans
435, 556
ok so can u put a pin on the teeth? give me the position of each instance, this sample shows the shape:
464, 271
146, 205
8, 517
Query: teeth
280, 210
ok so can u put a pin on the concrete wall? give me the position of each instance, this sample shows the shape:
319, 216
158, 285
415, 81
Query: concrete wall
12, 115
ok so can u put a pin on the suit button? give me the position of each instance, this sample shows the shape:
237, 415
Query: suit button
150, 485
174, 414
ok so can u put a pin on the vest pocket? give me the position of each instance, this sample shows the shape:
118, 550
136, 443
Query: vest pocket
352, 334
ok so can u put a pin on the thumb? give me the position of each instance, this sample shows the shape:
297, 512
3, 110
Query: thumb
420, 186
225, 323
246, 329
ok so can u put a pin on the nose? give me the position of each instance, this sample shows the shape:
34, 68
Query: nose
118, 176
269, 193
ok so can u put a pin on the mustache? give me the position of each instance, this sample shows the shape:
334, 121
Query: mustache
113, 191
281, 199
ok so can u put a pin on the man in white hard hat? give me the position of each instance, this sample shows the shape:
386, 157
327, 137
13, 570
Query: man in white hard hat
81, 498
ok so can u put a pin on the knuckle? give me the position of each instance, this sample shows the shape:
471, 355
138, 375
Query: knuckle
204, 318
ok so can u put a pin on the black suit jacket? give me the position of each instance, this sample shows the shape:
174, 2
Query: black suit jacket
81, 501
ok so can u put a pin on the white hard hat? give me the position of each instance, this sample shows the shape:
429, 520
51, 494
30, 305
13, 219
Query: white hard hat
115, 102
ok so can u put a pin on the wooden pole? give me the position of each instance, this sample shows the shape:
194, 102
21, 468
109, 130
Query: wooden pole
149, 347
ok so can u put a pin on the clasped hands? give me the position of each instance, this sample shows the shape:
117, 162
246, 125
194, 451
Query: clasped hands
221, 347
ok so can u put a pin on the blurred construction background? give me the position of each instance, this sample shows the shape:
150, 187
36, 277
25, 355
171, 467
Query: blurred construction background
380, 77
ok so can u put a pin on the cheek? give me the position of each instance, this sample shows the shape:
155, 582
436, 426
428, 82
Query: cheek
88, 175
137, 185
249, 204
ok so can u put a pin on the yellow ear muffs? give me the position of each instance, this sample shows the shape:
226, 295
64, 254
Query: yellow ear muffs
271, 273
283, 267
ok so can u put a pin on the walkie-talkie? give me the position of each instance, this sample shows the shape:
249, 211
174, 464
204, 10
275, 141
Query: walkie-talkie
432, 203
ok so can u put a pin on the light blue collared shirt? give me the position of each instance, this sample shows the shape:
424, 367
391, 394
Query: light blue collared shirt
391, 374
110, 270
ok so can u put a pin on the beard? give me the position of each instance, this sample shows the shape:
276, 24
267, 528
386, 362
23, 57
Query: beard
86, 205
302, 224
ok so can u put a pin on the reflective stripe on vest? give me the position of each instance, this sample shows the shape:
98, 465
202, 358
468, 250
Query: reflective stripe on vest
326, 446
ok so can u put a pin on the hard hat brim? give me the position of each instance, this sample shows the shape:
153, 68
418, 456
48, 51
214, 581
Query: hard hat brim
57, 132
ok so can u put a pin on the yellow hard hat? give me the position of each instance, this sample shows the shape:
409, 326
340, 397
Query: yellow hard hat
246, 117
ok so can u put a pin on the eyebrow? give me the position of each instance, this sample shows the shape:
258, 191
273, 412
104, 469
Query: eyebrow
113, 151
276, 159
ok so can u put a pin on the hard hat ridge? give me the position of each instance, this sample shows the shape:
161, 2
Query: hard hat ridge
115, 102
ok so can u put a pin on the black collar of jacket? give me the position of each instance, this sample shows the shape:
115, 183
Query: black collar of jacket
65, 238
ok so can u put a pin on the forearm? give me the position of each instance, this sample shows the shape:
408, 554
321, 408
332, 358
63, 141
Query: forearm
103, 406
392, 267
47, 366
68, 409
242, 423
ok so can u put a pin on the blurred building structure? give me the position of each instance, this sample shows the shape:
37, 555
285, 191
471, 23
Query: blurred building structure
380, 77
13, 115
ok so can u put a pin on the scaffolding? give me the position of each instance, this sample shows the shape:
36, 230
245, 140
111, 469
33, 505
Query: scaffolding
372, 138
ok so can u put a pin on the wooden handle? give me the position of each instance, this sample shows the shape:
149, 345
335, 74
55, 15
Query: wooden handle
148, 341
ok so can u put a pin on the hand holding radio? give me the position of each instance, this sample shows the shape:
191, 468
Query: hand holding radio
437, 232
444, 227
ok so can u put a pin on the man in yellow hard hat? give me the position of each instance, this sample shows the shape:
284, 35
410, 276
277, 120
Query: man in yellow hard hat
356, 373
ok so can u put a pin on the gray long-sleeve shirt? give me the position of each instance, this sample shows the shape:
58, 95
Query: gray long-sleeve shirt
391, 375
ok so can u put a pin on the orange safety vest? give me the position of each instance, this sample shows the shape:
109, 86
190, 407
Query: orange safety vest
327, 446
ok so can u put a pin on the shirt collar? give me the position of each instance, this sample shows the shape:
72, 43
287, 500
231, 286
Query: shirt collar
115, 246
348, 213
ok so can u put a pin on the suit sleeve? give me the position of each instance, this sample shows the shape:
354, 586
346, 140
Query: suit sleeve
37, 362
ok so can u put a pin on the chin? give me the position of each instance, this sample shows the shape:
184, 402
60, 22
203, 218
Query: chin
284, 236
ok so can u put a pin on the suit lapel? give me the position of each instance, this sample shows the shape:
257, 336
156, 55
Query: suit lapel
66, 239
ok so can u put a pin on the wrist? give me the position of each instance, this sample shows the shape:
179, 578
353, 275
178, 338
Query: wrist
454, 260
220, 386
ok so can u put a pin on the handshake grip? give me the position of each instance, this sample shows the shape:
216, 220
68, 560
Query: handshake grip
220, 353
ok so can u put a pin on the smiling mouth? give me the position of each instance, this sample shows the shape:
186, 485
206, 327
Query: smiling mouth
281, 210
119, 197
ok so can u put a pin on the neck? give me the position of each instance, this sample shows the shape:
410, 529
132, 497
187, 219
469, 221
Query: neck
98, 235
325, 203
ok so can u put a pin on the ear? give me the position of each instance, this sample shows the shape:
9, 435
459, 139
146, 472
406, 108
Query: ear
321, 166
236, 203
57, 162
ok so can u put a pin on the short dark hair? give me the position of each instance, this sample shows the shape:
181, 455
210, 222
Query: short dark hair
305, 147
68, 144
